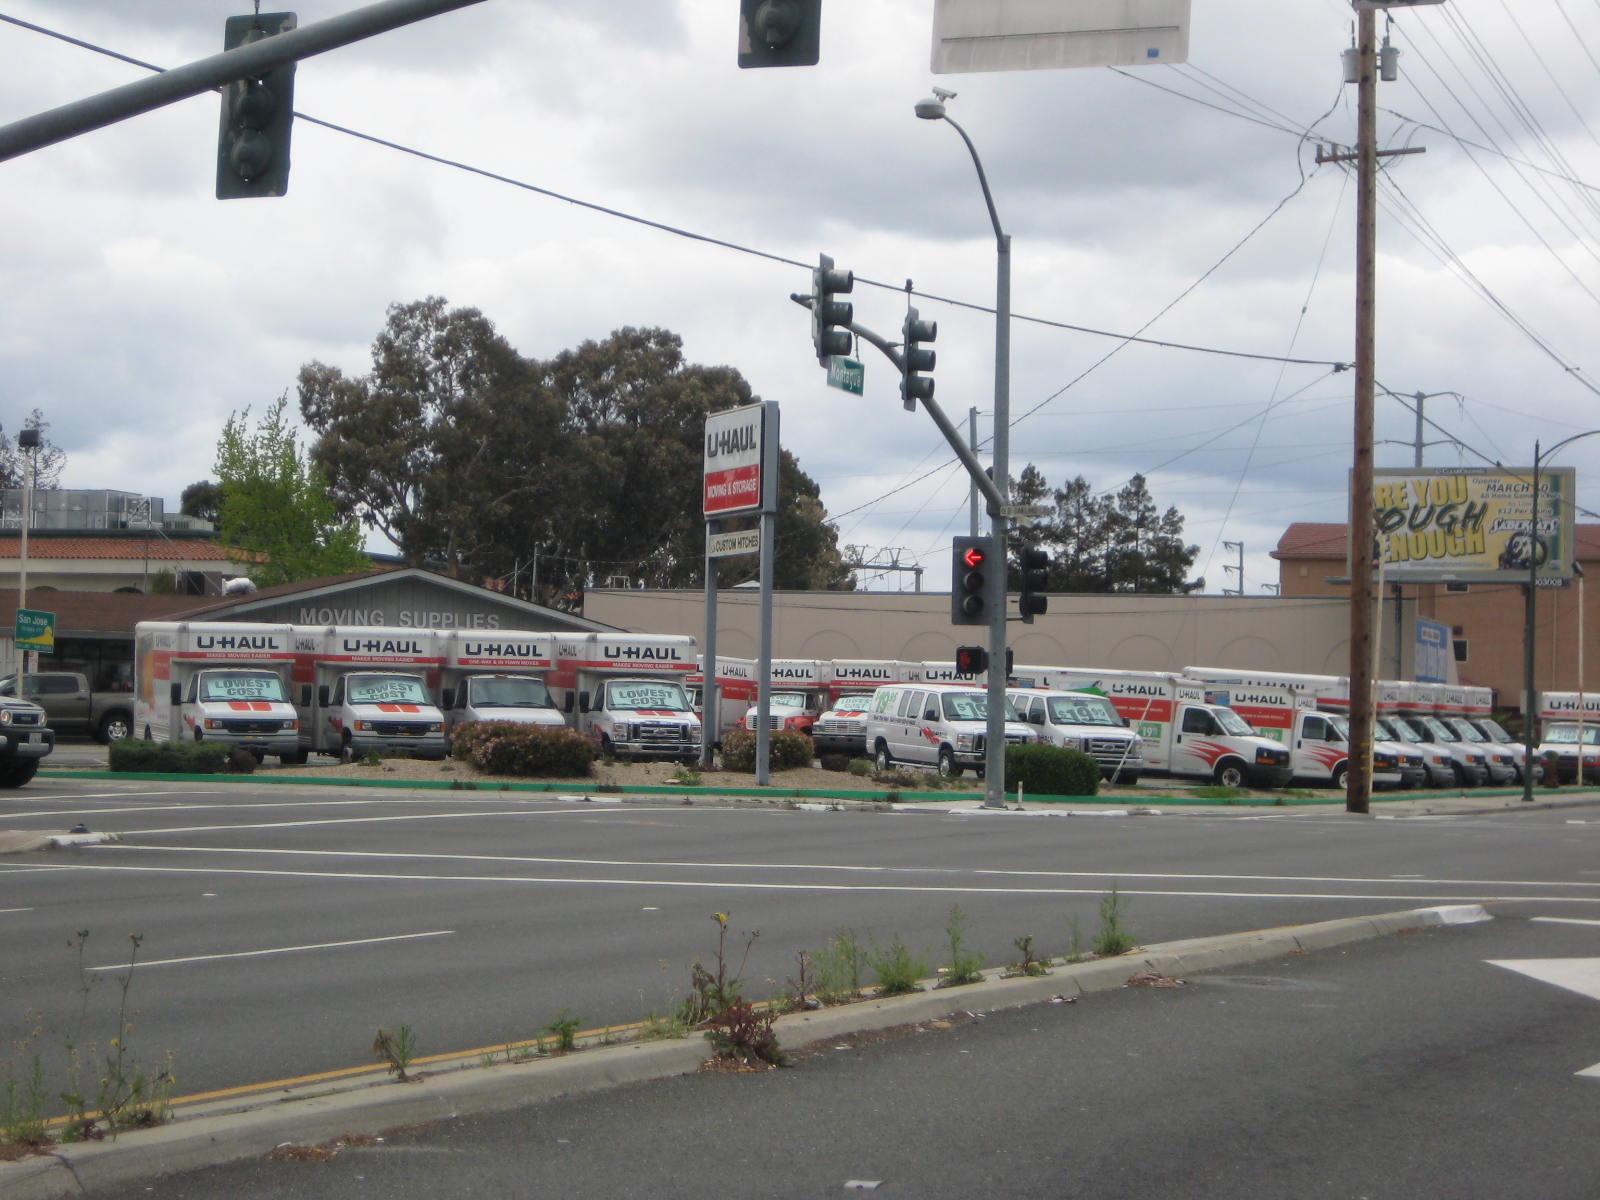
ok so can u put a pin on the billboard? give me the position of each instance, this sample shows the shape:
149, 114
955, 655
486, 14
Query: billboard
1032, 35
1473, 524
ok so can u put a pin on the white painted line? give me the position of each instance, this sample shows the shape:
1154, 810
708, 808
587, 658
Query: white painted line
167, 962
447, 816
730, 885
1581, 975
1564, 921
14, 910
701, 865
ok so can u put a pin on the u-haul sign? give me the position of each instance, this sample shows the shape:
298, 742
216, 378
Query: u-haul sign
734, 443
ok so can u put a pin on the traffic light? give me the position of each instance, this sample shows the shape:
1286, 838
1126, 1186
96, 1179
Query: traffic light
780, 33
969, 591
827, 313
257, 117
914, 385
1035, 579
971, 661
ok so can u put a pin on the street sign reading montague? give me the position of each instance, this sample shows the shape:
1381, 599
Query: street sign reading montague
732, 474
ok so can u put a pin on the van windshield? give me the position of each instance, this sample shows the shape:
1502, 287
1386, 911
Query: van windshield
1495, 731
1233, 723
508, 691
1397, 730
1083, 709
386, 689
1568, 735
241, 685
972, 706
1441, 732
1466, 729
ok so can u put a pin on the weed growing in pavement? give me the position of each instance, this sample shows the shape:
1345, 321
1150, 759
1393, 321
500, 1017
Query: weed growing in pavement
964, 967
802, 985
564, 1029
22, 1105
1112, 939
744, 1033
396, 1048
372, 759
126, 1094
685, 776
712, 992
661, 1029
1027, 962
840, 966
897, 969
1075, 952
1215, 791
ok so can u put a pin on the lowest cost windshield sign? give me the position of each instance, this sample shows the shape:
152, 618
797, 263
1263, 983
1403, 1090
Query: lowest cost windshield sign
733, 460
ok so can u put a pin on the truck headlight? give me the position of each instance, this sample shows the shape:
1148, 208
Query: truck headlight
5, 716
966, 741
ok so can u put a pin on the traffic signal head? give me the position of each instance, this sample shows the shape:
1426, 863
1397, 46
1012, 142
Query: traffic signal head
780, 33
1035, 579
971, 562
914, 385
971, 660
257, 117
827, 314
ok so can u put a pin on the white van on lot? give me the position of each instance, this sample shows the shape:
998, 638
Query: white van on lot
937, 725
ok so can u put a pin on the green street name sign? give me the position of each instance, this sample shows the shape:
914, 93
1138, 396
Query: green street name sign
847, 375
36, 630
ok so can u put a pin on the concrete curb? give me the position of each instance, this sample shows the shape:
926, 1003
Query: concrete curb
204, 1136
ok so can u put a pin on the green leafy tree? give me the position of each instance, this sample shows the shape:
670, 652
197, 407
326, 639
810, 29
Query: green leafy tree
1116, 542
46, 462
581, 470
202, 499
274, 510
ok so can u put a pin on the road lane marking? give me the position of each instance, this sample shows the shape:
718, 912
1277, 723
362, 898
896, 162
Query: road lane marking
196, 958
711, 865
14, 910
1564, 921
723, 885
564, 811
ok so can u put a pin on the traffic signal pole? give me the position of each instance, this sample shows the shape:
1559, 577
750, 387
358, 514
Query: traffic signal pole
208, 74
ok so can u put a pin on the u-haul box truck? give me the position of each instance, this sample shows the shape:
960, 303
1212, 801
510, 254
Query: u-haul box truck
1455, 707
1318, 742
1181, 733
796, 696
626, 692
850, 682
1417, 709
735, 681
371, 687
498, 675
1569, 726
1081, 720
217, 682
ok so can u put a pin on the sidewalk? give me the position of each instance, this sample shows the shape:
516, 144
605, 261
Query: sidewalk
305, 1122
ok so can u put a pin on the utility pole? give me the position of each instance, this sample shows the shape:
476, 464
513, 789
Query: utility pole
1234, 569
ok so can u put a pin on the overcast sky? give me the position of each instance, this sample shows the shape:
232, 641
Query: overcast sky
1180, 203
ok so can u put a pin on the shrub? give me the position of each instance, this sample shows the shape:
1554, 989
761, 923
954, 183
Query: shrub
786, 750
512, 748
1051, 771
168, 758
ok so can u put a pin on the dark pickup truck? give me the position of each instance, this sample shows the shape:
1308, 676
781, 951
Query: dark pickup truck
72, 708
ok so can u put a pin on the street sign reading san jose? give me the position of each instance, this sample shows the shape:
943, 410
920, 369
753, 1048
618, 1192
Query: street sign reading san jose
36, 630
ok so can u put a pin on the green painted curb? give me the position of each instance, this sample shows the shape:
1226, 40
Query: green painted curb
1150, 801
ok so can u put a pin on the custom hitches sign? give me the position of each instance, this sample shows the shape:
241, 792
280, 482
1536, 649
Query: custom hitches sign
735, 442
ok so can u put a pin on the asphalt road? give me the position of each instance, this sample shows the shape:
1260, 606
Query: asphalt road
281, 926
1434, 1064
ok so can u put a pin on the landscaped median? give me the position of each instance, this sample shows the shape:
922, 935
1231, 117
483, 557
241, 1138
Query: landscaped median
322, 1111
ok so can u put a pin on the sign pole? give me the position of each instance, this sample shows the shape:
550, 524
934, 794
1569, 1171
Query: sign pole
769, 511
710, 692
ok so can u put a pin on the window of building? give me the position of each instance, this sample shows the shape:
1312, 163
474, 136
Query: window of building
1460, 645
1458, 587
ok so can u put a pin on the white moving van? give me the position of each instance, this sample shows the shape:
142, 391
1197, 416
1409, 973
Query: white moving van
625, 691
1083, 721
499, 675
371, 689
937, 725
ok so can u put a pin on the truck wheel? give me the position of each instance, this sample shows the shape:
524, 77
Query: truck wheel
1229, 775
18, 773
347, 752
115, 726
880, 756
1339, 773
948, 768
297, 759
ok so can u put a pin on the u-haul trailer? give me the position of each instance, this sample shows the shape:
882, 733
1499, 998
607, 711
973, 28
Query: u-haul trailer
498, 675
625, 691
369, 687
735, 683
221, 682
1180, 732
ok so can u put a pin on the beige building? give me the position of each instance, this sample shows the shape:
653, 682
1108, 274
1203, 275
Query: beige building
1156, 633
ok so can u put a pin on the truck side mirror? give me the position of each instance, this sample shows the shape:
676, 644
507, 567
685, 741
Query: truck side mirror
569, 702
583, 701
931, 714
177, 694
449, 697
322, 695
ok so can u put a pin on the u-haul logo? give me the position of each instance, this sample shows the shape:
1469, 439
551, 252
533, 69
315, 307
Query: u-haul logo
501, 650
642, 653
356, 645
236, 641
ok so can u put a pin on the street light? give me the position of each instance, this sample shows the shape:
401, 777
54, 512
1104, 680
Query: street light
994, 759
1531, 610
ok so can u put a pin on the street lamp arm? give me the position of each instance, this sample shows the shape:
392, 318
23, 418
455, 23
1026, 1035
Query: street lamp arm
983, 179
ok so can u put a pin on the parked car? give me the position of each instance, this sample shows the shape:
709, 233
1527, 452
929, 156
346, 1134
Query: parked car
25, 740
72, 707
